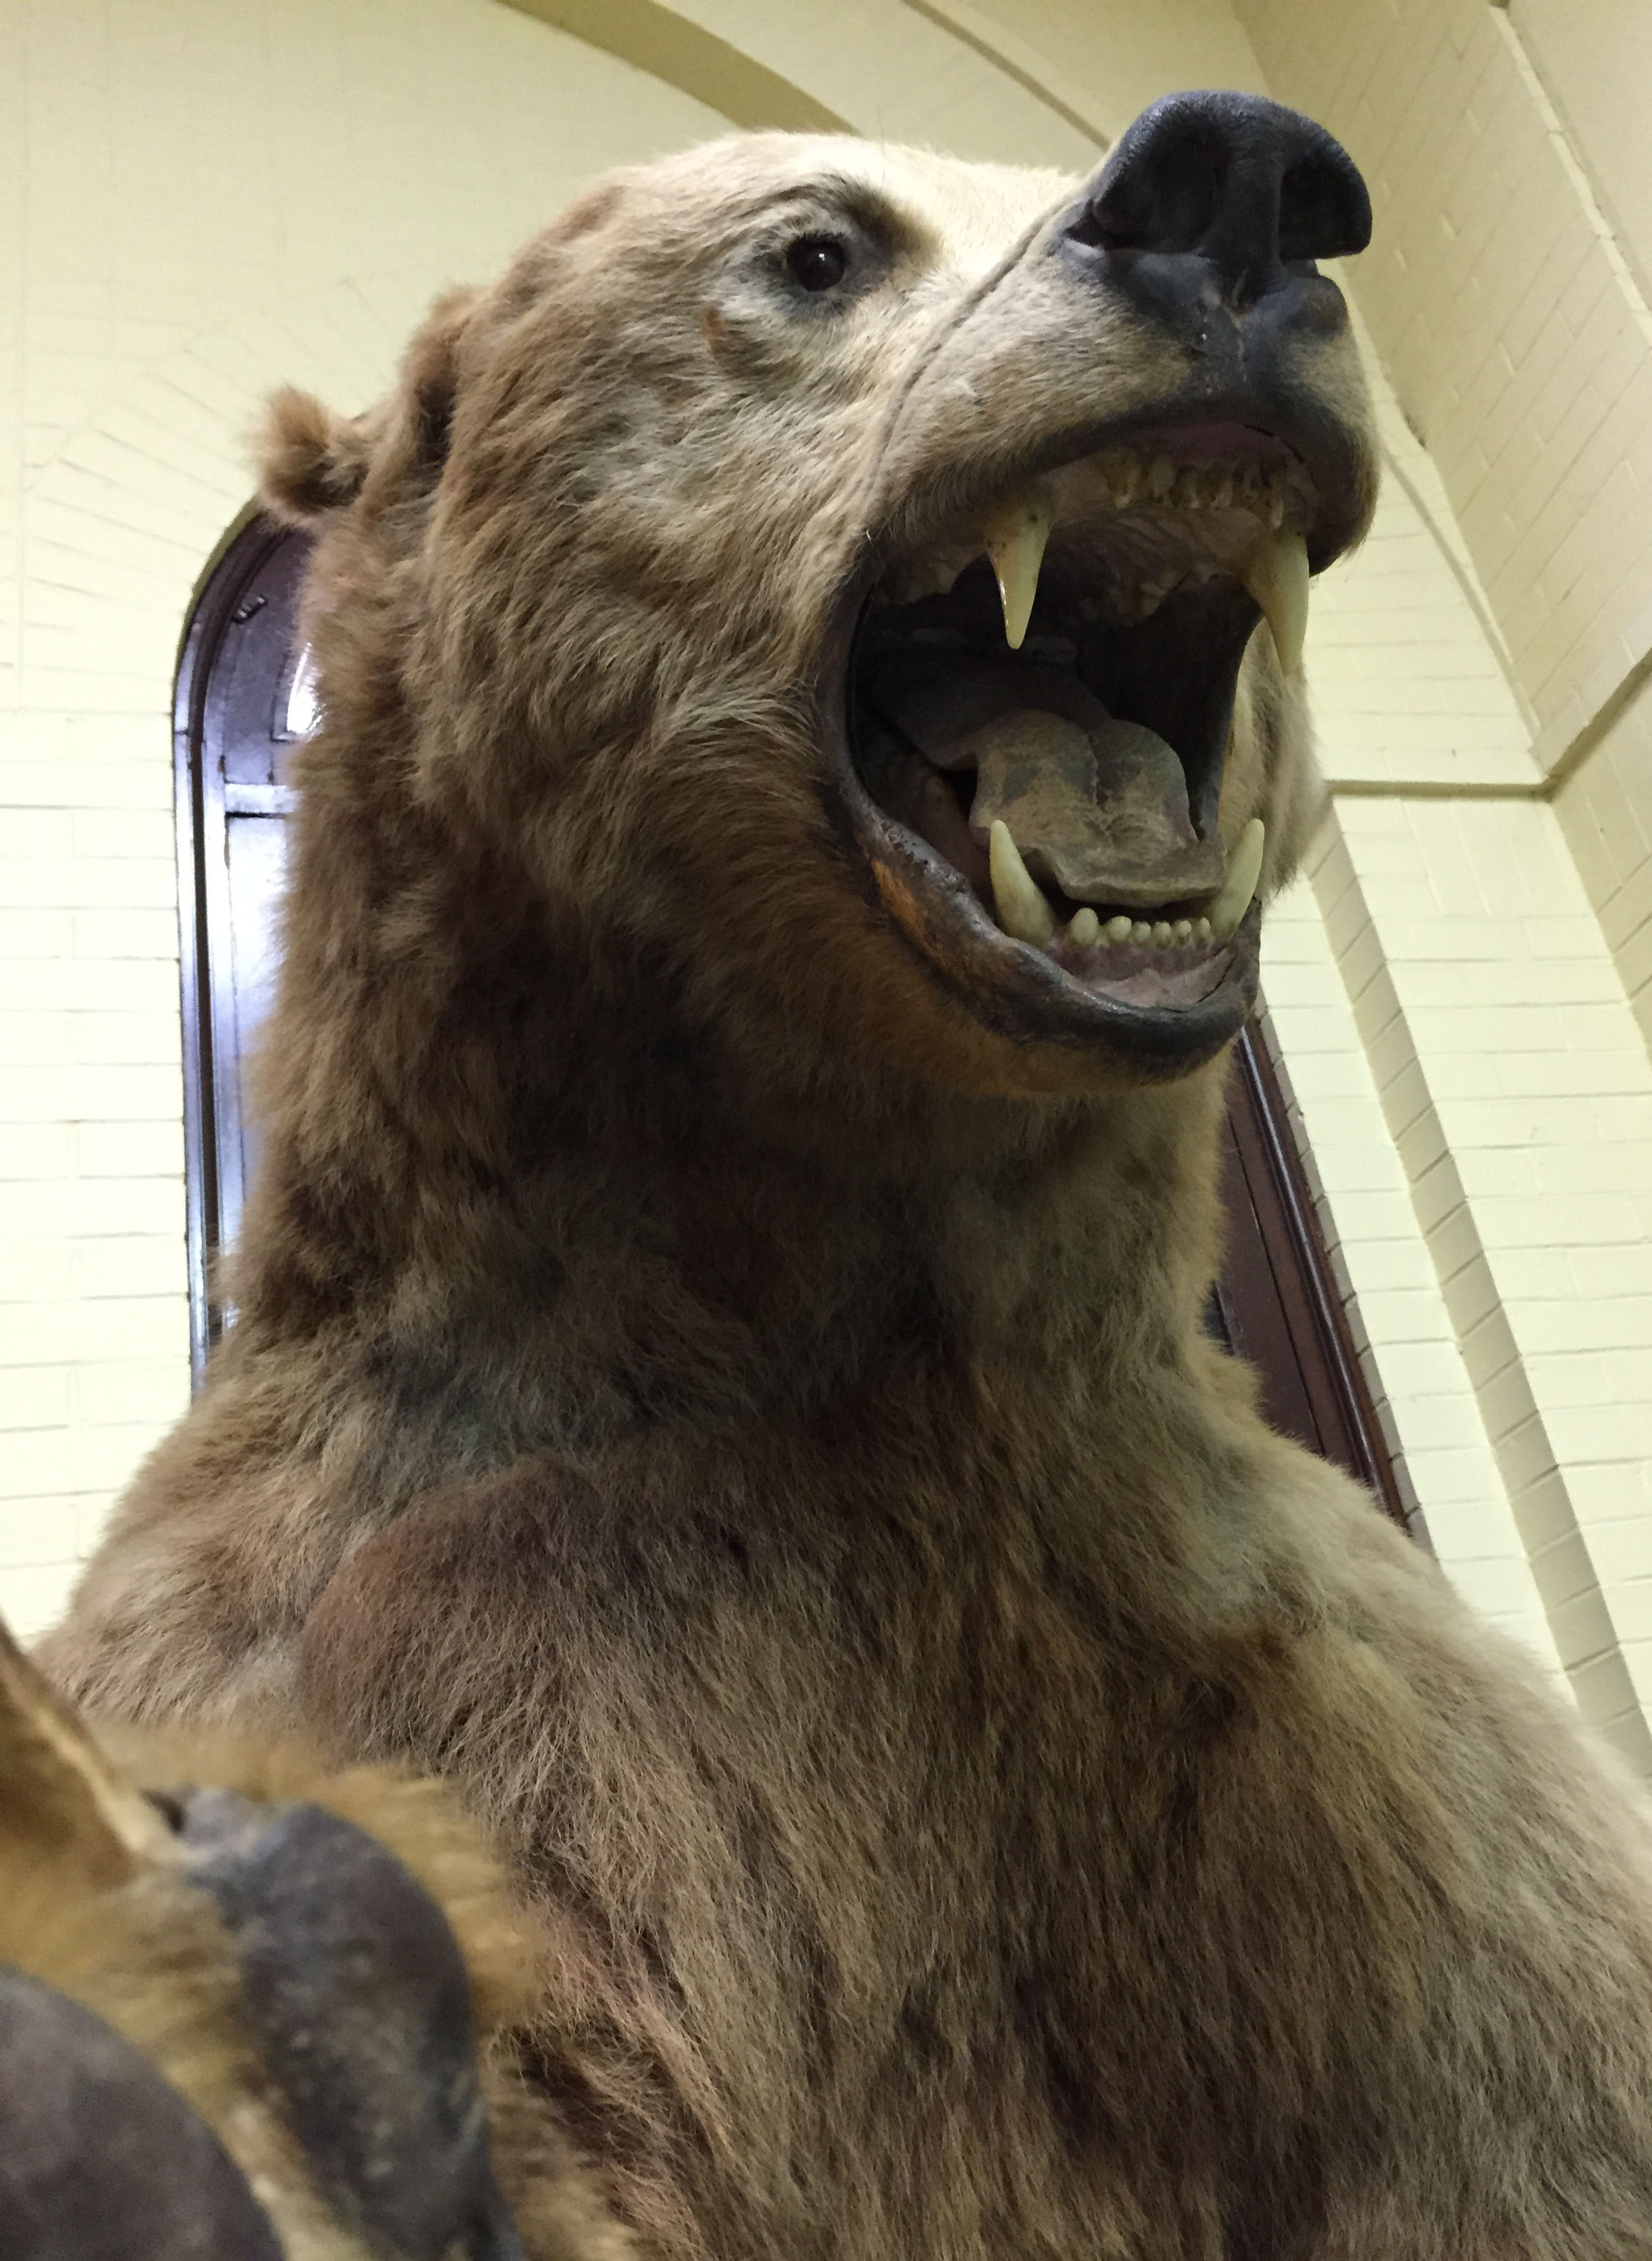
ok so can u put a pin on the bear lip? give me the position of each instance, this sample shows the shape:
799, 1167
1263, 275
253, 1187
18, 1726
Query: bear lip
1149, 592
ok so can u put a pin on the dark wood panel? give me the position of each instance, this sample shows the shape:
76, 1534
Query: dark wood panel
236, 671
1278, 1295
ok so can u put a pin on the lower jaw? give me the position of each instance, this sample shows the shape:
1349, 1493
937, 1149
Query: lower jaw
1142, 1009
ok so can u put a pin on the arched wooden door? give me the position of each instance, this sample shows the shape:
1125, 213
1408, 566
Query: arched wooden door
244, 700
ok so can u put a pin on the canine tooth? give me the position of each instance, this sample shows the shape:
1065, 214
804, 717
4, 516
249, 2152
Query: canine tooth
1276, 575
1202, 929
1161, 933
1182, 930
1022, 912
1276, 504
1141, 931
1085, 930
1014, 537
1245, 868
1119, 928
1161, 476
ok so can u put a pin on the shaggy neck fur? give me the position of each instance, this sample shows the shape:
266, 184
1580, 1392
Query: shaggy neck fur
517, 1145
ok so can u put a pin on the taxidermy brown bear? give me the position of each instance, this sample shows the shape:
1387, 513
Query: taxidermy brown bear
810, 671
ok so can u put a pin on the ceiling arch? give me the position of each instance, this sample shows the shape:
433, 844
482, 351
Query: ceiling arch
671, 46
942, 73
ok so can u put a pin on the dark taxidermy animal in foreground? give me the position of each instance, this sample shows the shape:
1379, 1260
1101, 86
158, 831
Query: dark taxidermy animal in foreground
810, 665
253, 2007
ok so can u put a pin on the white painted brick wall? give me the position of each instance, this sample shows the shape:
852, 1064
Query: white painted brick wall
1512, 1049
1425, 1393
1506, 317
1517, 339
1517, 1094
1605, 808
1409, 682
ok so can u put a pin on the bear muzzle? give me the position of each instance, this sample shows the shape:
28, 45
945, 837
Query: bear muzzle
1037, 685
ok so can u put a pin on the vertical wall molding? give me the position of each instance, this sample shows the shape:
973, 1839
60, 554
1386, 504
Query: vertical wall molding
1577, 1604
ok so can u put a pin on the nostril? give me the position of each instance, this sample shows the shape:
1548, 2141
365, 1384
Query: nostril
1169, 205
1247, 188
1324, 211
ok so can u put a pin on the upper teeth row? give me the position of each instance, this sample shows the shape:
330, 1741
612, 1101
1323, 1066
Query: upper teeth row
1016, 529
1276, 572
1185, 486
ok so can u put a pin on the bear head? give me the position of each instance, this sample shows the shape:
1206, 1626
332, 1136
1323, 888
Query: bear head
822, 587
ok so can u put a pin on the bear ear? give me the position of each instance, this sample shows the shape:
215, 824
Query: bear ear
310, 461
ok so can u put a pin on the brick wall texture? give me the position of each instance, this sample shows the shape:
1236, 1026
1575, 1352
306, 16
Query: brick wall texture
1513, 330
1495, 937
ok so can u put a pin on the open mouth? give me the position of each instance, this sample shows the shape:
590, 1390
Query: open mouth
1039, 703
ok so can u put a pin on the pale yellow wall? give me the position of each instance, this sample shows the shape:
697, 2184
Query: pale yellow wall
1114, 58
1606, 806
1506, 318
1511, 315
1515, 1088
1595, 59
199, 198
1409, 682
893, 73
1401, 1317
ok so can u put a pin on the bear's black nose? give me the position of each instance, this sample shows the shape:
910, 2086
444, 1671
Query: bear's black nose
1236, 190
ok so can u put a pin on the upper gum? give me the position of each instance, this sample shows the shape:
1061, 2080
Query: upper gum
1253, 489
1075, 492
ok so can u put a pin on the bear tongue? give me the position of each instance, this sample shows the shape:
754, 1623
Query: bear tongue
1097, 808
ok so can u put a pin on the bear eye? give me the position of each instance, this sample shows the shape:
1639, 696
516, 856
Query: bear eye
816, 263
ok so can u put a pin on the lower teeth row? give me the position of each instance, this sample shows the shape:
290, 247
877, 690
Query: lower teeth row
1024, 913
1089, 932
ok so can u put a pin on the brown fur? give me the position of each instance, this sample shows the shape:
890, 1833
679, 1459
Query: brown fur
742, 1414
